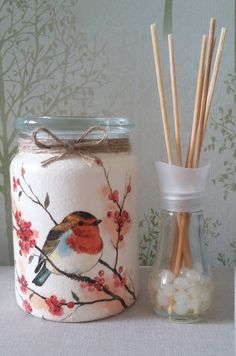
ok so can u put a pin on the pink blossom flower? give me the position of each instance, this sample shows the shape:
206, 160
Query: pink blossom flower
22, 170
55, 305
25, 233
128, 188
16, 182
114, 196
23, 284
26, 305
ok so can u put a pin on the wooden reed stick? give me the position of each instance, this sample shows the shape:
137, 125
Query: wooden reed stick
197, 105
182, 237
214, 76
184, 220
175, 100
161, 93
174, 245
210, 50
177, 139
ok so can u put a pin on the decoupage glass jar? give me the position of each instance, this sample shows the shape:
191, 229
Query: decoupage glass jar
74, 211
180, 282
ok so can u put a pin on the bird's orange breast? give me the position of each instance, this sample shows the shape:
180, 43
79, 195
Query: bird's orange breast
91, 246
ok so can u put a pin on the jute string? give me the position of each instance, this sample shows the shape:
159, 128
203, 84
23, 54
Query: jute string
82, 146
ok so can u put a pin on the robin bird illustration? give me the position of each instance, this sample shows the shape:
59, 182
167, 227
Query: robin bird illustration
74, 246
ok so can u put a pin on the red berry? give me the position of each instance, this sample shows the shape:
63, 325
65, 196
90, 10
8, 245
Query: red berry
121, 238
99, 162
116, 283
115, 196
101, 272
120, 270
102, 280
70, 305
99, 287
109, 214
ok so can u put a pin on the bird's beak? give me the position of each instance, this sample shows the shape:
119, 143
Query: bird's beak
96, 222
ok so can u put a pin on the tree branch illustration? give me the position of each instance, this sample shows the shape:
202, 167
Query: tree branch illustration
86, 279
34, 198
55, 305
115, 198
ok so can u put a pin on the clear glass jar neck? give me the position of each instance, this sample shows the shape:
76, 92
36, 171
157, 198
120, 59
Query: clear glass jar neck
73, 127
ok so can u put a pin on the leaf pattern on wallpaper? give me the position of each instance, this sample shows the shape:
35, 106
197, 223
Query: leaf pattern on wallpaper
227, 260
149, 237
46, 67
224, 139
211, 230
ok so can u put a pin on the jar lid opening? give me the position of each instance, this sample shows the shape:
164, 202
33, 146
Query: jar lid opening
115, 126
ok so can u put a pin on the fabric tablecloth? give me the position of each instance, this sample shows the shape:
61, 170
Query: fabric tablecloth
137, 331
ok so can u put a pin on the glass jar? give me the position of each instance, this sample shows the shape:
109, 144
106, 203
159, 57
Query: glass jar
74, 208
180, 282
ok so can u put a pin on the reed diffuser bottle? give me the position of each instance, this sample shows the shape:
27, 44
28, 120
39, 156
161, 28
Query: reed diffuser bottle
180, 283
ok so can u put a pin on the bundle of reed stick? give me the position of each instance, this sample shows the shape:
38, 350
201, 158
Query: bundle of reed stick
206, 81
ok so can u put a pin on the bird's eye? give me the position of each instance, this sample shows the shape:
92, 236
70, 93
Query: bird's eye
81, 223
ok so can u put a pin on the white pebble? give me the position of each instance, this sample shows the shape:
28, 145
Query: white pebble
168, 290
192, 275
181, 297
193, 291
166, 277
194, 305
180, 309
181, 283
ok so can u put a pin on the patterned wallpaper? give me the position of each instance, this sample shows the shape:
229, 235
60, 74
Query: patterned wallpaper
95, 58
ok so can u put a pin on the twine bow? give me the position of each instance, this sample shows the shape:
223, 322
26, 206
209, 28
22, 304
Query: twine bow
79, 146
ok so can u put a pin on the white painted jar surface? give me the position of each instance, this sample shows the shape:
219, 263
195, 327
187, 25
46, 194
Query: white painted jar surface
74, 211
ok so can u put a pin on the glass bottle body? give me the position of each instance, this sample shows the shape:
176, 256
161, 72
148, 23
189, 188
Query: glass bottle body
180, 282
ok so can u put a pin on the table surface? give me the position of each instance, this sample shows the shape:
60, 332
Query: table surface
137, 331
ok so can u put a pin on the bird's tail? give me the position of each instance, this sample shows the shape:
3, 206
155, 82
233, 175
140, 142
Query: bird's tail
41, 277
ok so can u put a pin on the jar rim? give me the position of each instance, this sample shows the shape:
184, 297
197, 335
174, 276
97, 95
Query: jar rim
69, 123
